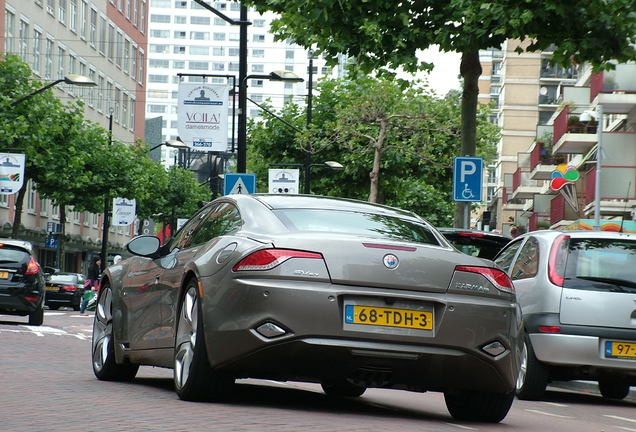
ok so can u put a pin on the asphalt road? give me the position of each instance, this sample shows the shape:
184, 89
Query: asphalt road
47, 384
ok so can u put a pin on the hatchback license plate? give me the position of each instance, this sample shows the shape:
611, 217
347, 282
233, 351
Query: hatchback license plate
619, 349
4, 275
388, 317
52, 288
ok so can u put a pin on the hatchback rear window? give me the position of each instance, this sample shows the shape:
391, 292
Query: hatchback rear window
64, 278
606, 264
13, 255
355, 223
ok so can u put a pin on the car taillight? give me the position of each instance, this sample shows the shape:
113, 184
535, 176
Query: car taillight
550, 329
32, 267
469, 234
267, 259
69, 288
496, 277
556, 262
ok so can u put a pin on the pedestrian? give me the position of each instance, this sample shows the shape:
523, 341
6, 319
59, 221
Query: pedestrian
92, 276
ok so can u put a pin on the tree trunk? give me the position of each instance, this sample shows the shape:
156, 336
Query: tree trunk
470, 70
61, 238
374, 175
19, 202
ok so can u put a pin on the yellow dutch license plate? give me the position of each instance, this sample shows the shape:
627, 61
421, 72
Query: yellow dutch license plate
388, 317
4, 275
620, 349
52, 288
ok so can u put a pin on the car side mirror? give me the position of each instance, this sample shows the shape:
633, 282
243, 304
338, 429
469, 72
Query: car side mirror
144, 245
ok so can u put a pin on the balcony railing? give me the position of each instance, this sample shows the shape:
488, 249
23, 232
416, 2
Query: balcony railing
568, 122
559, 72
620, 80
557, 209
535, 220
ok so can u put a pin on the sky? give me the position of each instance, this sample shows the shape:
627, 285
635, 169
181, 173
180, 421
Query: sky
444, 76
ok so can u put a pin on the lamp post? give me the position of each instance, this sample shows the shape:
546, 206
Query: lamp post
73, 79
585, 118
307, 170
309, 113
278, 75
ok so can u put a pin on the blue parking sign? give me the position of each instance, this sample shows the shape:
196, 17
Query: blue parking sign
467, 179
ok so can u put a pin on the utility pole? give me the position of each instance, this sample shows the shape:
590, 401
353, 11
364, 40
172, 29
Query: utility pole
104, 257
241, 158
309, 118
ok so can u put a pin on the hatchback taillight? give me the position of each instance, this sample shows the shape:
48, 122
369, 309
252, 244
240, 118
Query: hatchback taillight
267, 259
496, 277
32, 267
557, 259
69, 288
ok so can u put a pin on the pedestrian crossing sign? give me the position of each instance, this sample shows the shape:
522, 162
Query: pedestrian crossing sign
244, 184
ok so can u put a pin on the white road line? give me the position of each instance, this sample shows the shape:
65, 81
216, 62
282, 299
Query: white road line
620, 418
547, 413
556, 404
53, 313
626, 428
461, 426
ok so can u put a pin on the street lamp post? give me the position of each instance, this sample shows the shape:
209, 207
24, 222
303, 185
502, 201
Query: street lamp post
78, 80
306, 168
309, 116
585, 118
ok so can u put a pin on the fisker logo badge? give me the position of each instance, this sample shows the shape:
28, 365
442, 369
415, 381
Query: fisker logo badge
391, 261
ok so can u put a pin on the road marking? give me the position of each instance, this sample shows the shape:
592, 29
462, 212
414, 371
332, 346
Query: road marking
620, 418
556, 404
626, 428
547, 413
54, 313
42, 331
461, 426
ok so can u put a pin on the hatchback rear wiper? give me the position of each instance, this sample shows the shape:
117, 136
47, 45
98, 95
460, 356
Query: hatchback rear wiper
613, 281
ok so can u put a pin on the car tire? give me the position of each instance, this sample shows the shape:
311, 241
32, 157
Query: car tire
533, 376
105, 366
37, 317
613, 388
194, 380
478, 406
342, 389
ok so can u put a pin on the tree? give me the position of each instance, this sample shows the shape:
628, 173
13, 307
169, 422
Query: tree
386, 36
411, 166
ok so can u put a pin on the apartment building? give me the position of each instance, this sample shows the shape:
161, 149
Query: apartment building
525, 89
105, 40
184, 38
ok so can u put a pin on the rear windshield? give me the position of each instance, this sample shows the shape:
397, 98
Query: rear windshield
601, 264
12, 255
64, 278
354, 223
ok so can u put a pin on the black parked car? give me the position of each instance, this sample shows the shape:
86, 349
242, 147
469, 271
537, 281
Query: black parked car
481, 244
65, 289
21, 281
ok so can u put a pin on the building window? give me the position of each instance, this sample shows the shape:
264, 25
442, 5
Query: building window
61, 12
162, 19
131, 121
119, 49
157, 109
258, 68
91, 90
179, 19
48, 59
219, 51
258, 38
157, 78
233, 67
117, 105
126, 60
100, 96
44, 207
82, 71
161, 34
199, 35
289, 54
136, 13
158, 63
93, 29
142, 17
124, 111
37, 47
258, 53
180, 4
50, 7
103, 28
235, 37
133, 62
199, 20
159, 49
61, 59
177, 34
164, 4
179, 49
111, 42
72, 22
9, 31
140, 76
219, 22
219, 67
82, 18
259, 23
199, 65
199, 50
178, 64
108, 97
24, 40
257, 83
218, 36
30, 195
127, 10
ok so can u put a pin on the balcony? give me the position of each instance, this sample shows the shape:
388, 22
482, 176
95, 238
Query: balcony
522, 186
615, 89
542, 162
538, 221
613, 202
572, 136
557, 72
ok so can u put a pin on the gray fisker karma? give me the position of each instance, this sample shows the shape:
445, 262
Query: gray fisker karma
344, 293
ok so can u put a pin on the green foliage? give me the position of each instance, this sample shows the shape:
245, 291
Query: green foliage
416, 163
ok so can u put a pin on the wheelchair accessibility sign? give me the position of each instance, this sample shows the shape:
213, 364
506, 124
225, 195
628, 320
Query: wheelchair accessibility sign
467, 178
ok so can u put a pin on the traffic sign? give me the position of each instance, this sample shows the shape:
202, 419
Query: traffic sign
467, 178
283, 181
239, 184
51, 242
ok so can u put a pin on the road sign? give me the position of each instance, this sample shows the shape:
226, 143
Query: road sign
467, 178
239, 184
51, 242
283, 181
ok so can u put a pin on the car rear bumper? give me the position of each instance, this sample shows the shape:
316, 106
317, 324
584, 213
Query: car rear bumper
13, 300
578, 350
317, 346
62, 298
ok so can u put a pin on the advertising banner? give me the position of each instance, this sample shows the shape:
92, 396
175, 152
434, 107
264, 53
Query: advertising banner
124, 211
11, 172
202, 116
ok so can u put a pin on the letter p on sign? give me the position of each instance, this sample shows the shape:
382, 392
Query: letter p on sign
466, 168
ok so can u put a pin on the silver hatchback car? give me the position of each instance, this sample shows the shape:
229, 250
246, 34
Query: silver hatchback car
304, 288
577, 292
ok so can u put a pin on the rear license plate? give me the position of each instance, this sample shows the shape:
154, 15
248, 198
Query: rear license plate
52, 288
388, 317
620, 349
4, 275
